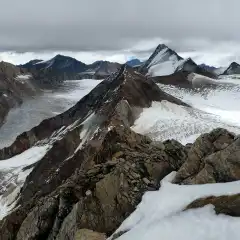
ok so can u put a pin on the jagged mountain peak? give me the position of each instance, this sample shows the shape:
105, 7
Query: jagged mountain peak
234, 68
164, 62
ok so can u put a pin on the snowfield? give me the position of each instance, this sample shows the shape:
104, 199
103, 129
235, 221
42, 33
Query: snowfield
211, 108
13, 174
160, 214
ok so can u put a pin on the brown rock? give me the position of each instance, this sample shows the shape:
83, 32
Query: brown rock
86, 234
229, 205
212, 158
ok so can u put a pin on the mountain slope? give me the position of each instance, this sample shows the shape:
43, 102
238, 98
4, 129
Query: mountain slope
234, 68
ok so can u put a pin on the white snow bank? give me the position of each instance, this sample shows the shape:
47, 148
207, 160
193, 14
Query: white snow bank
165, 68
23, 77
13, 176
165, 120
26, 158
160, 215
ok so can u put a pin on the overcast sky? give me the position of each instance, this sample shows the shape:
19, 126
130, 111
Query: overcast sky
207, 30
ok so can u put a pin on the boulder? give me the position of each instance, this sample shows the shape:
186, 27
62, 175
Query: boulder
86, 234
212, 158
229, 205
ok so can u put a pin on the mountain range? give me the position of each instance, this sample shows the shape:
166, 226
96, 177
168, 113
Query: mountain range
164, 64
82, 173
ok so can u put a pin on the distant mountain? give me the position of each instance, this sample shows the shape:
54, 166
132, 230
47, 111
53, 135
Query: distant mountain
215, 70
134, 62
234, 68
30, 64
164, 61
99, 70
62, 63
207, 67
61, 68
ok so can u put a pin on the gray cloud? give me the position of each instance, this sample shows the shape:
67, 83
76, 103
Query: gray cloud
109, 25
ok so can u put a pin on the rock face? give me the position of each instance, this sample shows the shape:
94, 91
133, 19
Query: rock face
212, 158
15, 85
234, 68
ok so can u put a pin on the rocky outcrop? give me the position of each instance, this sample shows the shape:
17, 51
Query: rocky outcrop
84, 234
212, 158
228, 205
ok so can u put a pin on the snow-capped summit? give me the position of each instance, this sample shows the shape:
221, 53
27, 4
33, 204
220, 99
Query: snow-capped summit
164, 61
234, 68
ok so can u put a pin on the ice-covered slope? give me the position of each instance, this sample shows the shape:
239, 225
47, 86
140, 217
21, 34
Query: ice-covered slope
163, 61
166, 120
211, 107
13, 173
